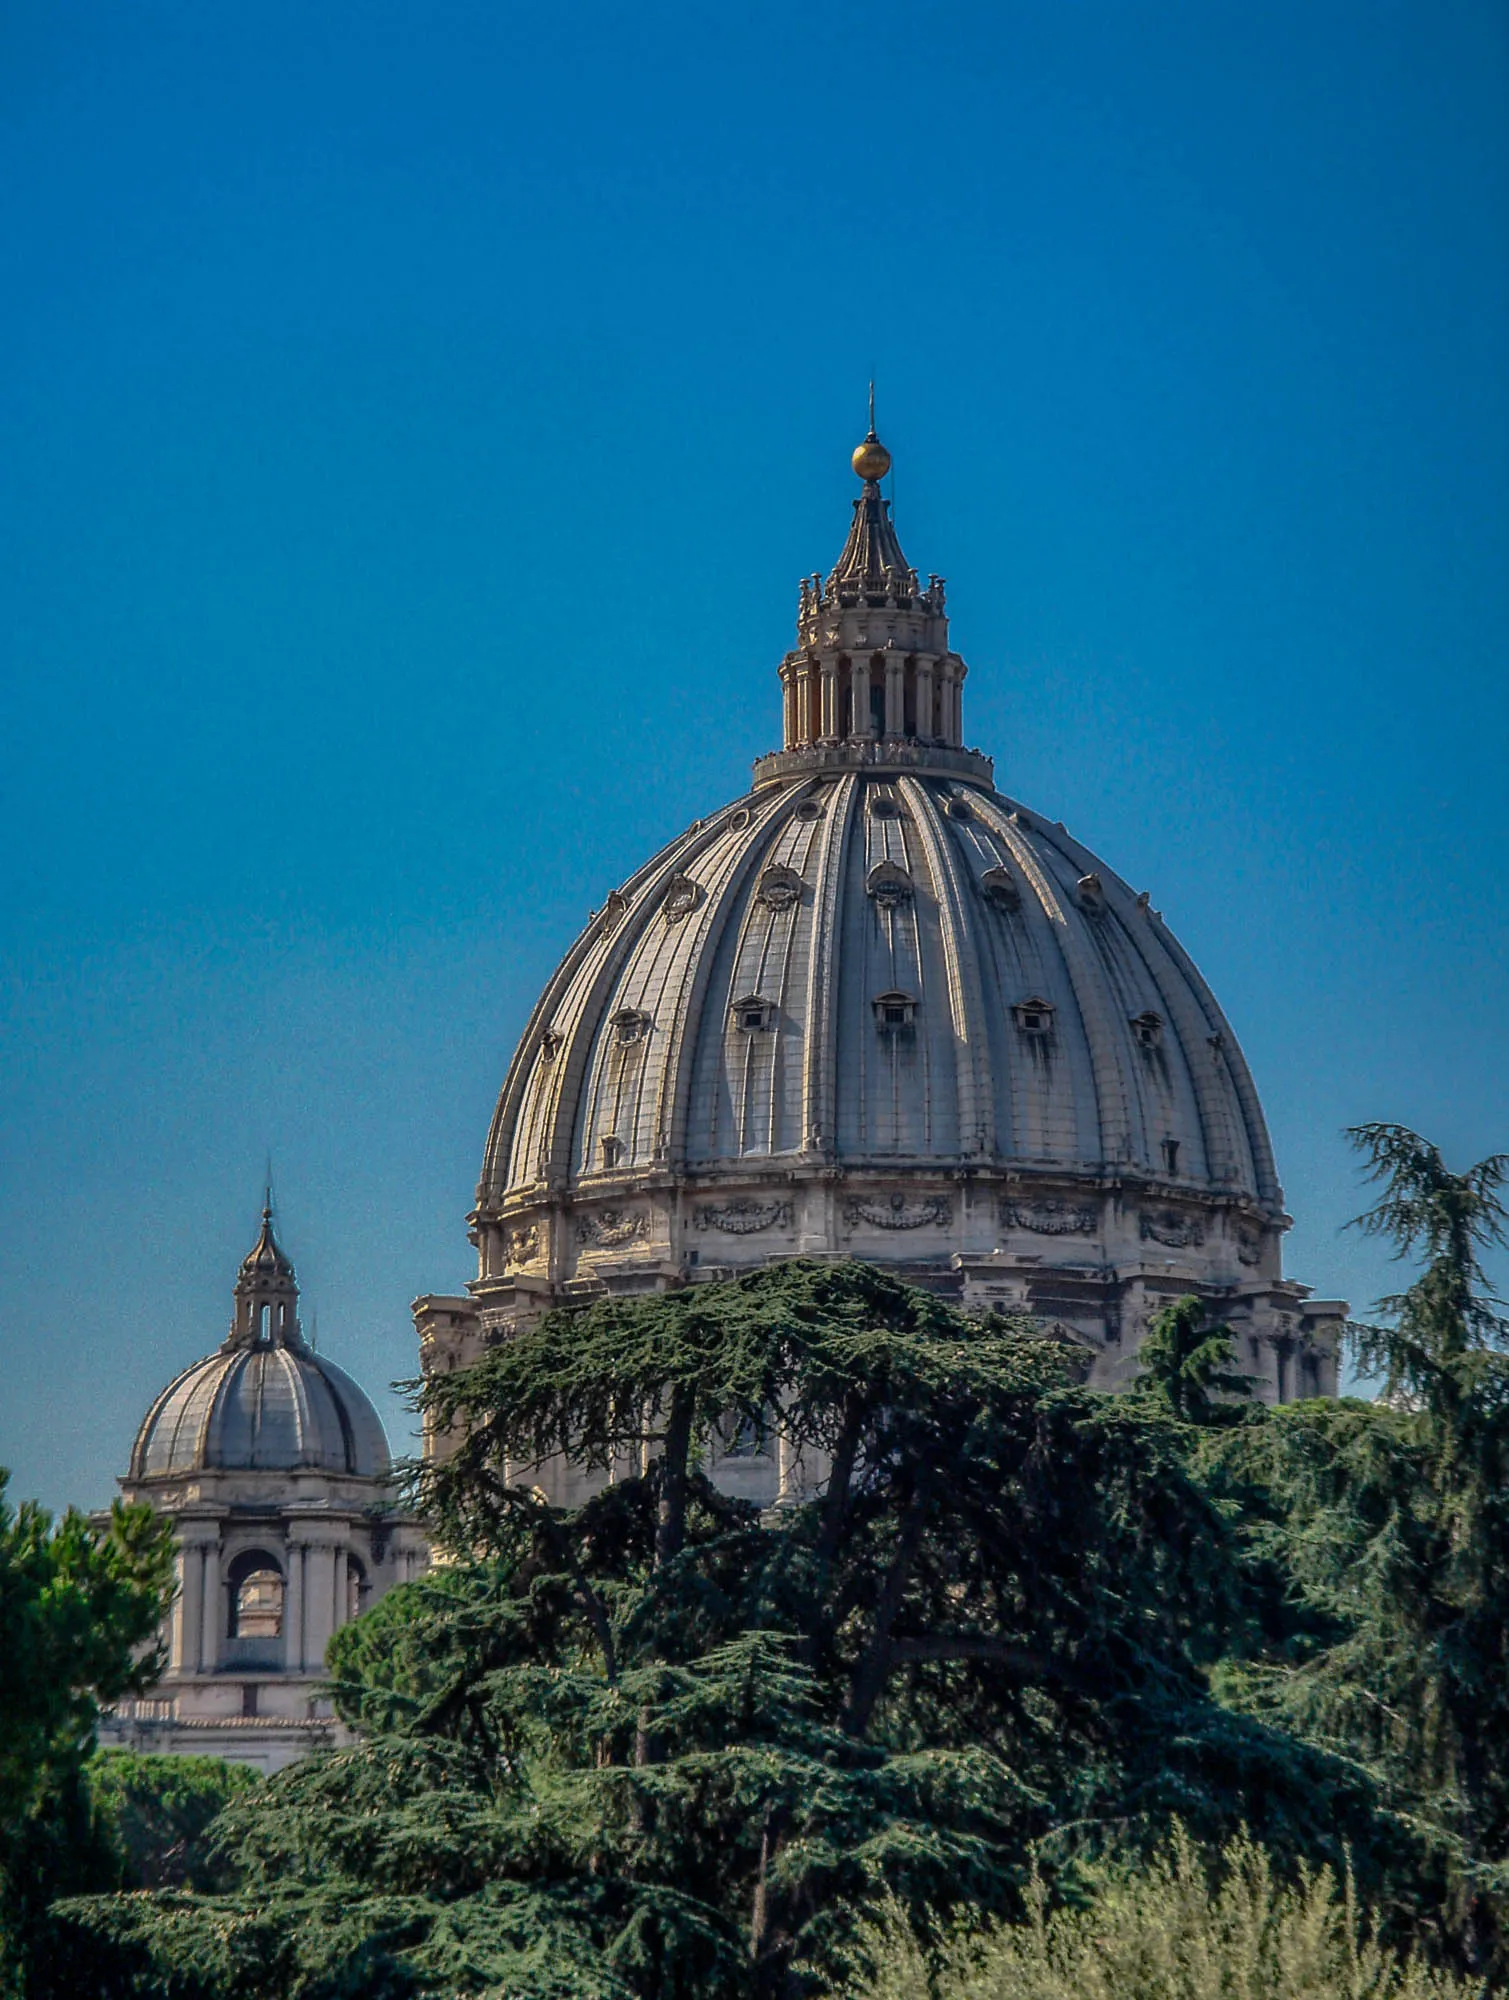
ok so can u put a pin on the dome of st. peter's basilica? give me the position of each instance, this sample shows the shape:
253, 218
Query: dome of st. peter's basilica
877, 1008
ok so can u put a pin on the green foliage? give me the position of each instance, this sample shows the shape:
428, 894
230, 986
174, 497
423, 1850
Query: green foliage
78, 1606
157, 1812
1188, 1367
1165, 1932
1386, 1525
661, 1744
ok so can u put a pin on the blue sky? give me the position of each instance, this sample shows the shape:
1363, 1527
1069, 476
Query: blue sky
414, 422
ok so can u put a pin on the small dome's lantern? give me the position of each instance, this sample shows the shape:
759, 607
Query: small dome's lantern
267, 1295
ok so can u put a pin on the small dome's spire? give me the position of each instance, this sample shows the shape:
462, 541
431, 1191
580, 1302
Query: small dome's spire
266, 1292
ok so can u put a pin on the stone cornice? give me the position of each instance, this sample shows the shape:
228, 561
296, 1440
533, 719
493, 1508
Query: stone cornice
898, 754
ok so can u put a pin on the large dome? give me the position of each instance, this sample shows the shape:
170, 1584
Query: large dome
264, 1401
877, 1008
882, 970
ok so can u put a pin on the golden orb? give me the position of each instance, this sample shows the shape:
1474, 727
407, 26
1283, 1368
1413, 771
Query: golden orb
871, 460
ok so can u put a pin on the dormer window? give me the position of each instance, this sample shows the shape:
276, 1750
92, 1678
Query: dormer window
550, 1044
998, 887
894, 1011
630, 1026
883, 806
1033, 1017
1091, 893
780, 887
754, 1015
611, 1148
1148, 1029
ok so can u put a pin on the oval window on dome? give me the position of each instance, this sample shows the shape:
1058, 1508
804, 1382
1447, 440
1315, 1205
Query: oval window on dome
888, 884
780, 887
682, 895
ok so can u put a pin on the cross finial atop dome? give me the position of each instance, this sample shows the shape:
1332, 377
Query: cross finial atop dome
871, 460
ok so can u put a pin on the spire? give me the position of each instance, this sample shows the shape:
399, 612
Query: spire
872, 682
266, 1293
872, 558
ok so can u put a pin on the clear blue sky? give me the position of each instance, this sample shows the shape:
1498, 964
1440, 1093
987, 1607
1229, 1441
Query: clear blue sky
414, 421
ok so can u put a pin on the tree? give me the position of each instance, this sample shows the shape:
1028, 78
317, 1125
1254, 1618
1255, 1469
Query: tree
1446, 1318
1172, 1929
1188, 1366
663, 1744
156, 1812
1388, 1523
79, 1607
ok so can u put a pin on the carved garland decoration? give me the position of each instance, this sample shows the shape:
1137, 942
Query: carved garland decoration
745, 1218
1176, 1232
898, 1212
1049, 1218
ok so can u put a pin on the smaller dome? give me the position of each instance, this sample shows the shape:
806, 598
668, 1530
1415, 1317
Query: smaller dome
262, 1409
265, 1401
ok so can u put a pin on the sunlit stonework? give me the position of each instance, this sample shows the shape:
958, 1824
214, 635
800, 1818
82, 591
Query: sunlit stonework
273, 1468
877, 1008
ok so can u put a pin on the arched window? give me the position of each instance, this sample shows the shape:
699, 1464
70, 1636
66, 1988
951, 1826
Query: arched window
255, 1589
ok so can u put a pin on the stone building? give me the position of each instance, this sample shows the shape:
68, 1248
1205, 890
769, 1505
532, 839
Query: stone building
273, 1467
877, 1008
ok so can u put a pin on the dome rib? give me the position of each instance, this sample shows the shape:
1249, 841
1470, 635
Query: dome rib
966, 991
1254, 1124
820, 1068
708, 994
1113, 1133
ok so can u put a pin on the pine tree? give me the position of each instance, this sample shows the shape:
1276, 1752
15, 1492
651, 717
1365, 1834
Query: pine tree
664, 1744
1387, 1525
79, 1607
1189, 1366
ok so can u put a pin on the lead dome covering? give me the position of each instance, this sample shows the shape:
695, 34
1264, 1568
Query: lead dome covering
737, 1007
